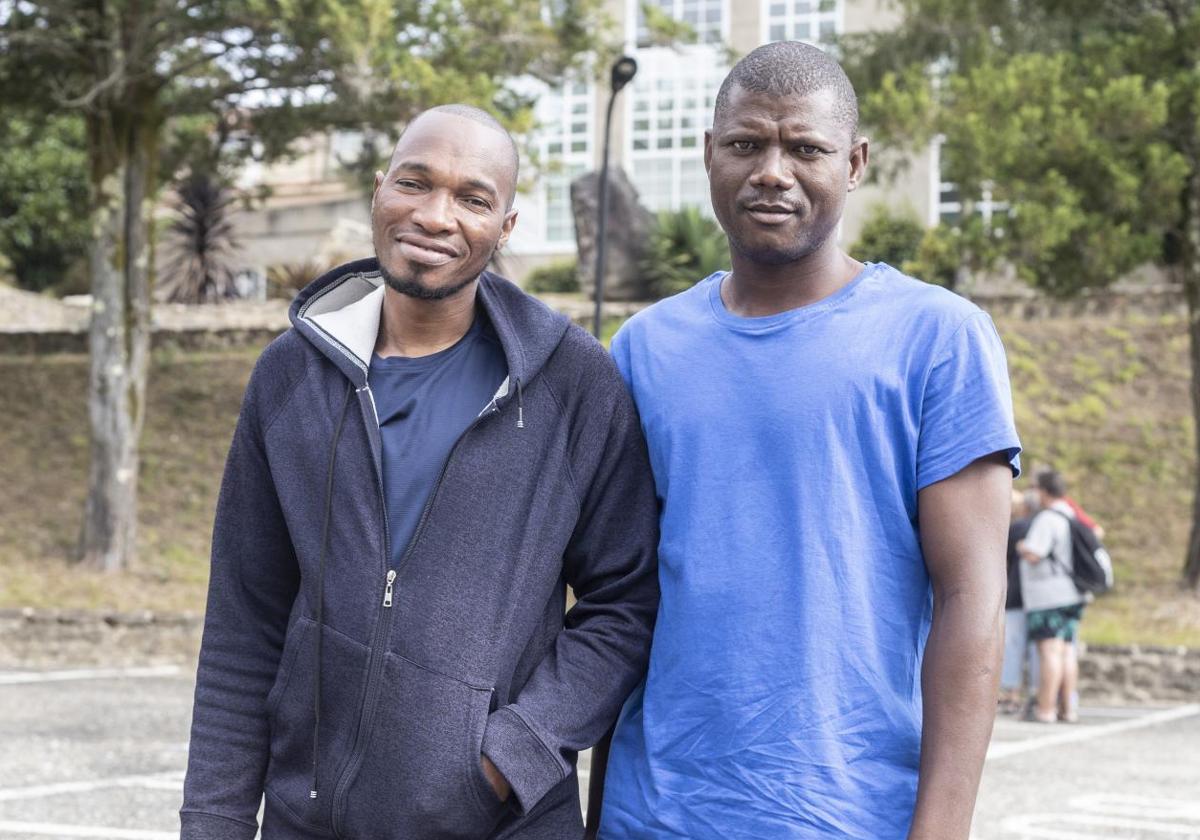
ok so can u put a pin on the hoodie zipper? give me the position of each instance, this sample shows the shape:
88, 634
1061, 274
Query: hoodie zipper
383, 627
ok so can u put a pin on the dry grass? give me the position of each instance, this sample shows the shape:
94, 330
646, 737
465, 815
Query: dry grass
1106, 401
192, 407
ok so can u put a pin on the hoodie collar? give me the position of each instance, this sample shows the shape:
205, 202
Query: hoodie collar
339, 314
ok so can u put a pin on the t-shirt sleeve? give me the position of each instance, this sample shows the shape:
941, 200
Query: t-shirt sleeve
966, 412
620, 352
1040, 539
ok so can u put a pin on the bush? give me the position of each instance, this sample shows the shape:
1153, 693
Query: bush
558, 277
890, 238
685, 247
44, 200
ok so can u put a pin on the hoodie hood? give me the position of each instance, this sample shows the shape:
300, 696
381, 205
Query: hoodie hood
339, 314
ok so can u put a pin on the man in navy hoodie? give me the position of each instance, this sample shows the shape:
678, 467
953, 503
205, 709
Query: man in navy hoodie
422, 464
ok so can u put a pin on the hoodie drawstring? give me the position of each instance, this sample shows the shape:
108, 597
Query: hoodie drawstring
337, 436
520, 407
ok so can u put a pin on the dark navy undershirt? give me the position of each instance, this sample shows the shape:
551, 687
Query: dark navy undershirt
424, 405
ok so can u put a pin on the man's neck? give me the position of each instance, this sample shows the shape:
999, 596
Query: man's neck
754, 290
413, 327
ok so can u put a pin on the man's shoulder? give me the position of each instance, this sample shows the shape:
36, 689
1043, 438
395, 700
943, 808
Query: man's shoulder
279, 366
581, 361
671, 313
920, 299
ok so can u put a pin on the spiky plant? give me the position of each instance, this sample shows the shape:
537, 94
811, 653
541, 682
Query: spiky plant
685, 247
201, 270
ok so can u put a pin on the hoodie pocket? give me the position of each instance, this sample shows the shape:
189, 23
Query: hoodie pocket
421, 774
291, 712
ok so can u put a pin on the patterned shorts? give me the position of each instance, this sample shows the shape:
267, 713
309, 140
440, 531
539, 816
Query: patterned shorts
1056, 623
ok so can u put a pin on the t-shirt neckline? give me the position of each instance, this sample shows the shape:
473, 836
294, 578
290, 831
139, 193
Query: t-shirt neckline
418, 363
768, 323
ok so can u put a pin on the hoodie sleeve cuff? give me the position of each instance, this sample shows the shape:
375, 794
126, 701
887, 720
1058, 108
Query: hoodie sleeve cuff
527, 763
195, 825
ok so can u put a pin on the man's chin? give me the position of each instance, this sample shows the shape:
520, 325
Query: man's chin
773, 253
412, 285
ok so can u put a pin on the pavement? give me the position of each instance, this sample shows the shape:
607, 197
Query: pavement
100, 753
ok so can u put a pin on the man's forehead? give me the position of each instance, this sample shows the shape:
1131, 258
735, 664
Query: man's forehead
448, 130
812, 109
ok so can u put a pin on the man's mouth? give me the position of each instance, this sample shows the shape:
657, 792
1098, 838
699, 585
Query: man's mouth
770, 214
425, 251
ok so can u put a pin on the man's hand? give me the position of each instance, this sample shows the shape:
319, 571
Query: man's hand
1026, 554
500, 785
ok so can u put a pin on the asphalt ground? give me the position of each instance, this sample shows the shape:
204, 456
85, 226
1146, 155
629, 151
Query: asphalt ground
101, 754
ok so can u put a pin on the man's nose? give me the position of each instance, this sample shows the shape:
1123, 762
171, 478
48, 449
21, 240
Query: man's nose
772, 171
435, 214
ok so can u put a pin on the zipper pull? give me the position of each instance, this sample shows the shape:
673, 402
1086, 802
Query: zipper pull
387, 591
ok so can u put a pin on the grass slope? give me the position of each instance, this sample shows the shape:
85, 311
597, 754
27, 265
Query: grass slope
1104, 400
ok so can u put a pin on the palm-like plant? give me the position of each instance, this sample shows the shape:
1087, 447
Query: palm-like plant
201, 270
685, 247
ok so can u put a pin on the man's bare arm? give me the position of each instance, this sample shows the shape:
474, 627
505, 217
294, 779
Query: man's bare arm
964, 525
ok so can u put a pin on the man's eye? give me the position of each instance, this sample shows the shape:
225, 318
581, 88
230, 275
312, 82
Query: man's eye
479, 203
742, 145
407, 184
809, 149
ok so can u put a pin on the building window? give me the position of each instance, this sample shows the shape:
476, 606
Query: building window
814, 21
670, 107
950, 206
563, 143
948, 201
706, 17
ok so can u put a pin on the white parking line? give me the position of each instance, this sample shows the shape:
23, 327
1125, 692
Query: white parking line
65, 830
1040, 826
1088, 733
170, 780
26, 677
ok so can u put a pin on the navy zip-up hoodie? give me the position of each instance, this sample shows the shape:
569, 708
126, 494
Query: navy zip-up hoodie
358, 694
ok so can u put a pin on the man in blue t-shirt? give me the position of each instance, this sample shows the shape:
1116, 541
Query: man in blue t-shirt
833, 450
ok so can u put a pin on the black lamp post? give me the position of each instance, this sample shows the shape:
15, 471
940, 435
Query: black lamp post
623, 71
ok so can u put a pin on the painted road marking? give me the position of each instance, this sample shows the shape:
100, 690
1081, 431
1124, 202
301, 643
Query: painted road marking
28, 677
170, 780
1097, 816
64, 830
1079, 733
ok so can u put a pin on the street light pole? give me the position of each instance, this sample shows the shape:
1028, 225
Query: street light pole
623, 70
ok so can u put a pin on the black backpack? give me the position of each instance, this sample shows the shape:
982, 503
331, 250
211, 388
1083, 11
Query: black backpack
1091, 567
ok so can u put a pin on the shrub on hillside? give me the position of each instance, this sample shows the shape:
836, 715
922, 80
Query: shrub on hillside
558, 277
889, 237
685, 247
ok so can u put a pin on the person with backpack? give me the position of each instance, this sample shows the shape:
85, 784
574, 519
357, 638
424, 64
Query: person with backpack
1052, 600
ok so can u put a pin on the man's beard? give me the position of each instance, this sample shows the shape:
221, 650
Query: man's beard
413, 287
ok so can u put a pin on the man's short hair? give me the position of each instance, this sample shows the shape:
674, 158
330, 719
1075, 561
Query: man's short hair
1051, 483
787, 68
481, 116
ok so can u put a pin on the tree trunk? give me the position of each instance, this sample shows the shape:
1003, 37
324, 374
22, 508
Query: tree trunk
1191, 287
119, 337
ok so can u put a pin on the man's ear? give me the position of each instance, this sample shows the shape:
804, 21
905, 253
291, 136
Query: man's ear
859, 154
506, 228
378, 184
708, 141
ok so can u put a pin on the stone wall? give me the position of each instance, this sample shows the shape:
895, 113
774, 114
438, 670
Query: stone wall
69, 638
61, 638
1138, 674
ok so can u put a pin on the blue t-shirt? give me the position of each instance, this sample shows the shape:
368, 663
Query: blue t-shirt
783, 698
424, 405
